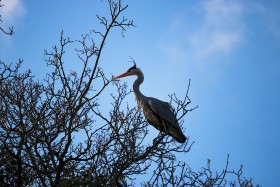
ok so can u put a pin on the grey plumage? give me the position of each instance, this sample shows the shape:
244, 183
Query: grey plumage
158, 113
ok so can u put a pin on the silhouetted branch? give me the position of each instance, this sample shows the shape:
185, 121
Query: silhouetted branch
10, 29
181, 105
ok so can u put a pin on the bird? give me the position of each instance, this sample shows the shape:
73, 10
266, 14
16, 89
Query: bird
158, 113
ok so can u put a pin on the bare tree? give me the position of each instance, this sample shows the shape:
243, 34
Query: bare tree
10, 30
39, 122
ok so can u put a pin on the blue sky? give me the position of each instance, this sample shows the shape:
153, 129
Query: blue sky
230, 50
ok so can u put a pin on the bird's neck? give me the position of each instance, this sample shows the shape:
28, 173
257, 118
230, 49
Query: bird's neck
136, 85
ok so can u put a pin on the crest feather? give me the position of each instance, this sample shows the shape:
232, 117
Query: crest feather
134, 66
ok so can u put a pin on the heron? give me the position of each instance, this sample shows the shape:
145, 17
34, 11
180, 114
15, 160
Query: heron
158, 113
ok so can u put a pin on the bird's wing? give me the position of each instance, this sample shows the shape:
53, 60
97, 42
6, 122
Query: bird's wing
163, 110
169, 121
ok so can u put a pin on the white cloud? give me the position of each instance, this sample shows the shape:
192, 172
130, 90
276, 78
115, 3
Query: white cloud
207, 43
220, 31
219, 12
208, 29
12, 11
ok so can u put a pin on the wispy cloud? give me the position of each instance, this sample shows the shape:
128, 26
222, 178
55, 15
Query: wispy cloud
207, 29
220, 31
213, 42
12, 11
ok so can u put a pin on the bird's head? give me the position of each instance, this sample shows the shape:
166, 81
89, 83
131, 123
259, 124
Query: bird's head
131, 71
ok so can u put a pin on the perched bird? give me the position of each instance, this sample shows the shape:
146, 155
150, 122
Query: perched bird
158, 113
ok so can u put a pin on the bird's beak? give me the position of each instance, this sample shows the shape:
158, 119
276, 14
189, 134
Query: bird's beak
120, 76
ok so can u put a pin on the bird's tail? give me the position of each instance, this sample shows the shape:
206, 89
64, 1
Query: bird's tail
177, 135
